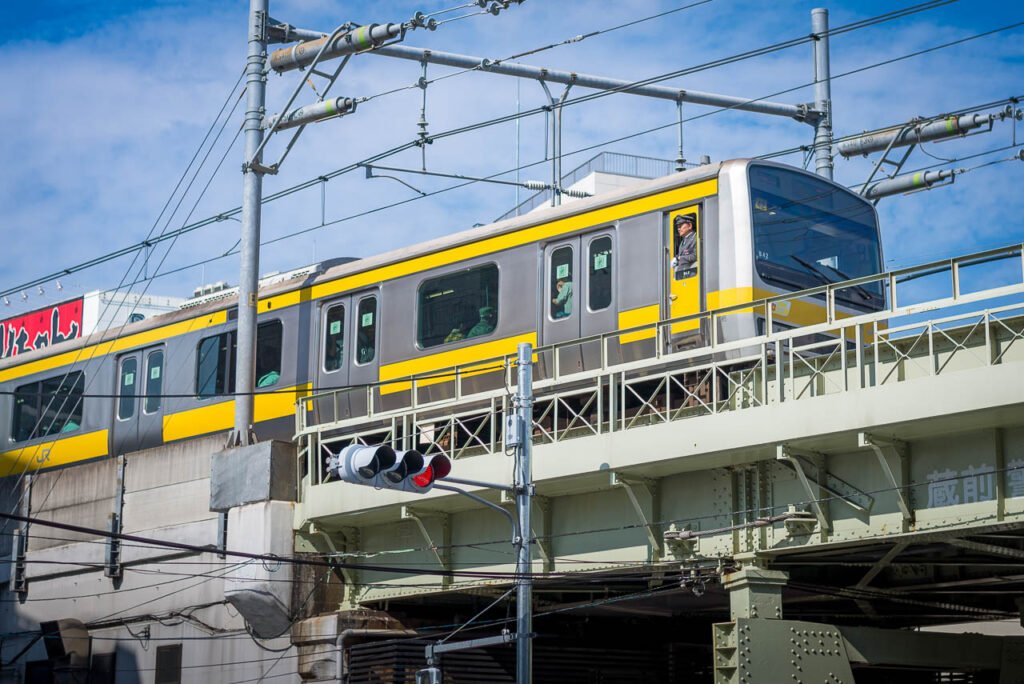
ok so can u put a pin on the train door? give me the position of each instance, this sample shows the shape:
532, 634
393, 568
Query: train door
684, 292
348, 353
138, 407
578, 296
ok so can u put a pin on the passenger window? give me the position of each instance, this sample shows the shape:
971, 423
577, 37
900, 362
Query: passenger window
334, 338
561, 282
126, 388
48, 407
366, 325
458, 306
213, 365
154, 381
269, 337
599, 265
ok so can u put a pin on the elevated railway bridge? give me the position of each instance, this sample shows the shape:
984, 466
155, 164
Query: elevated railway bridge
770, 509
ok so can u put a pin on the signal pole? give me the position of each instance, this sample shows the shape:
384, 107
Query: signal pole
523, 483
252, 196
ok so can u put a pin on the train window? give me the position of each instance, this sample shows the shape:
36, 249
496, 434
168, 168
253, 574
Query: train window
215, 360
809, 232
214, 364
599, 269
334, 338
366, 327
48, 407
561, 282
126, 388
269, 337
154, 381
458, 306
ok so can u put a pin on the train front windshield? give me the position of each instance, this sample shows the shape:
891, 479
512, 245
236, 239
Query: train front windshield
808, 232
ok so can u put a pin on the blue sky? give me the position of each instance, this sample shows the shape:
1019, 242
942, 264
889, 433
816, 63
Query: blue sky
106, 103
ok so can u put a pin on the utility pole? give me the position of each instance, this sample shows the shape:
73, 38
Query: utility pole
822, 94
252, 198
523, 484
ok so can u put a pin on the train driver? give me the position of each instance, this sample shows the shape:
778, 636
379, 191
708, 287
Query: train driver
685, 261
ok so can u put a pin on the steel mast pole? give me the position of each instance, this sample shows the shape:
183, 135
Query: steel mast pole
822, 94
252, 191
523, 483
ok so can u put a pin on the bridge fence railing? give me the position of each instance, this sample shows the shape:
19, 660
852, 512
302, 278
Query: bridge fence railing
688, 366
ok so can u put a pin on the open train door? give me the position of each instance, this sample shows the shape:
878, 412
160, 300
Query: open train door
684, 289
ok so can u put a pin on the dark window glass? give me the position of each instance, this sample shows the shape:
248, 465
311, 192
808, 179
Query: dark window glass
269, 337
154, 381
334, 338
168, 664
808, 232
49, 407
561, 282
214, 363
26, 411
126, 388
458, 306
215, 360
366, 330
599, 266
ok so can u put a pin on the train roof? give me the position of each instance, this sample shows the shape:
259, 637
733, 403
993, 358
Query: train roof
334, 272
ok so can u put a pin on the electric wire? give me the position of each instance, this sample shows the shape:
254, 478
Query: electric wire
505, 119
605, 143
127, 274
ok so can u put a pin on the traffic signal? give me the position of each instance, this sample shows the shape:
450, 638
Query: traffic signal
384, 468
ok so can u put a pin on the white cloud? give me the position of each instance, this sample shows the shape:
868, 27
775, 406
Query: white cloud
103, 124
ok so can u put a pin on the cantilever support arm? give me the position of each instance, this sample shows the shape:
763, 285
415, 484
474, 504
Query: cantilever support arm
900, 484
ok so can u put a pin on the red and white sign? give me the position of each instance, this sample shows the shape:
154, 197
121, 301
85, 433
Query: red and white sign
41, 328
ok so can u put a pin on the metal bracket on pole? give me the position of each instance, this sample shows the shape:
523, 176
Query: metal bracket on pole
901, 483
542, 539
839, 489
783, 454
643, 494
556, 139
19, 547
441, 551
113, 567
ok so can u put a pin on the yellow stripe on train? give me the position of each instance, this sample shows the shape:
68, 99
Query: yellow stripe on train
67, 449
220, 416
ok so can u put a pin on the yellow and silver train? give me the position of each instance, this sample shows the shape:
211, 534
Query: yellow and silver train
592, 266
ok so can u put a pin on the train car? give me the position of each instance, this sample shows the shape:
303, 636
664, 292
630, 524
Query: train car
599, 265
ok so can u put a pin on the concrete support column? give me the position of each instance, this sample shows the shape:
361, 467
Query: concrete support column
755, 592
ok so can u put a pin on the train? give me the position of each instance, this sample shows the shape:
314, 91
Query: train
592, 266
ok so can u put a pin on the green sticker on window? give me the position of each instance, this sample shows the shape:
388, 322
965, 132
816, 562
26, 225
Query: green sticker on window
367, 319
129, 379
335, 327
600, 261
154, 373
562, 271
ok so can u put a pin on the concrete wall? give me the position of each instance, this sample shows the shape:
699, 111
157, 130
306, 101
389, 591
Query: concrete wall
165, 596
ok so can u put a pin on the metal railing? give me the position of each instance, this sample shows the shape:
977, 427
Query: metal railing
844, 350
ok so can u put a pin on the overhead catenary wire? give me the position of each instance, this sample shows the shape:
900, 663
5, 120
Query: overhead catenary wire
413, 144
605, 143
128, 271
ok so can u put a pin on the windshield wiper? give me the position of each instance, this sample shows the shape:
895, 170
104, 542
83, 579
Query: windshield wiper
811, 268
864, 294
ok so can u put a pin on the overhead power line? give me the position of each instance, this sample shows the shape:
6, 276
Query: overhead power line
413, 144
